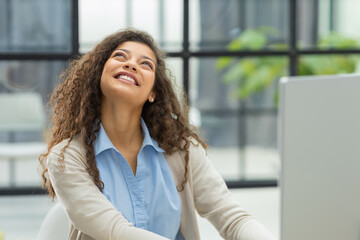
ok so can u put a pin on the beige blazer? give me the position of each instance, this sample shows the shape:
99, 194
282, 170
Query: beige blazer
92, 216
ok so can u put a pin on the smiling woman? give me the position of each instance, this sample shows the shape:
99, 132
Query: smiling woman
123, 160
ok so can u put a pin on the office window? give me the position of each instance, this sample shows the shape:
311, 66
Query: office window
228, 55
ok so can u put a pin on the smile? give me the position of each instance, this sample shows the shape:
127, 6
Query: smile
126, 78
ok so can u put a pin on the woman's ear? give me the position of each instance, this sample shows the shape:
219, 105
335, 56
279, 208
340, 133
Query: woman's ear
152, 97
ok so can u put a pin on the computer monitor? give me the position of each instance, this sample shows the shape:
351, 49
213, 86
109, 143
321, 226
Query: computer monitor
319, 143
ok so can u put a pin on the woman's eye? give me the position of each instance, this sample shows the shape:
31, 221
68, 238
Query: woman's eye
148, 64
119, 55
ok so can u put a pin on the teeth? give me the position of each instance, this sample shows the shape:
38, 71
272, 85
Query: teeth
130, 79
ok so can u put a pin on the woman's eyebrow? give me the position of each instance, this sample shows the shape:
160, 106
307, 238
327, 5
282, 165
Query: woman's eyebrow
122, 49
128, 52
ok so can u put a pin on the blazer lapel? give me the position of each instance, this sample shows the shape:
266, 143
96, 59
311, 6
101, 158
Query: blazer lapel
189, 227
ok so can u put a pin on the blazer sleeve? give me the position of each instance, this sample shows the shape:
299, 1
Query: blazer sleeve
87, 208
214, 201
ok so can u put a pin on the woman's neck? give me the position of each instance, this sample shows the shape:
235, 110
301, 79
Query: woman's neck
122, 125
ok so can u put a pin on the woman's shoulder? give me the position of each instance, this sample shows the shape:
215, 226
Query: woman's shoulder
74, 149
74, 145
195, 149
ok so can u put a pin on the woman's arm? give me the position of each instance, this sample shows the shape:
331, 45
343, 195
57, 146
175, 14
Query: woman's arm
88, 209
214, 201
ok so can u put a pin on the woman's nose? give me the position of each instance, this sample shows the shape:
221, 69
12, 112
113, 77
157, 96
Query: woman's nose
130, 66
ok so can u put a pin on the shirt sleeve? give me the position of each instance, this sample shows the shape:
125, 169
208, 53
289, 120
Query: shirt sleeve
214, 201
87, 208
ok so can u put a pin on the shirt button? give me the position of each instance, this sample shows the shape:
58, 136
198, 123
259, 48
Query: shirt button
138, 203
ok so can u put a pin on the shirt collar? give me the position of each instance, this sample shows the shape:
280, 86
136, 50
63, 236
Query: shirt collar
148, 140
103, 142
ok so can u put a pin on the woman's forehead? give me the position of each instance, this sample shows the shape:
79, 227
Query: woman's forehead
135, 48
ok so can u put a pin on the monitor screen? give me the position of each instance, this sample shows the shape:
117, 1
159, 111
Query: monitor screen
319, 144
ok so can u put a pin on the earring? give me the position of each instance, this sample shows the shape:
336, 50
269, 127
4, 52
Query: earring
151, 100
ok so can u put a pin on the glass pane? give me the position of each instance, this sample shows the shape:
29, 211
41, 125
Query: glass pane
94, 25
162, 19
222, 133
25, 87
328, 24
30, 76
171, 26
35, 26
175, 66
208, 89
233, 83
266, 98
328, 64
242, 146
259, 80
262, 160
238, 24
237, 102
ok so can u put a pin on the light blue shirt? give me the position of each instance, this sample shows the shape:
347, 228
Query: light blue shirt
150, 199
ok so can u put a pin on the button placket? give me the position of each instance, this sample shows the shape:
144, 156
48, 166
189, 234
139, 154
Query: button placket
139, 196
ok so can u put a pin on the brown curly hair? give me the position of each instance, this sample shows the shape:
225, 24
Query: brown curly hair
77, 99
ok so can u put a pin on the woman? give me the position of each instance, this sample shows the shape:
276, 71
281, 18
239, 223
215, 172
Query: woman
123, 160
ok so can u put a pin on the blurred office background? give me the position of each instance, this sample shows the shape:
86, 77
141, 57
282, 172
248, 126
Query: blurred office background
227, 54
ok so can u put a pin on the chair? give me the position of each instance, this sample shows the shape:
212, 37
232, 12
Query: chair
55, 225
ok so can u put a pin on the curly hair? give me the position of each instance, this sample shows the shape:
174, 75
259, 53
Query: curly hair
77, 100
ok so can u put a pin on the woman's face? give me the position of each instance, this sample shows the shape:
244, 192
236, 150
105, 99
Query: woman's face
129, 74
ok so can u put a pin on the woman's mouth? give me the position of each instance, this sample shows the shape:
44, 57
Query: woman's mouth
126, 78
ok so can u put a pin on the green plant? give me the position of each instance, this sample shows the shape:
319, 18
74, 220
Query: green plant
325, 64
253, 74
